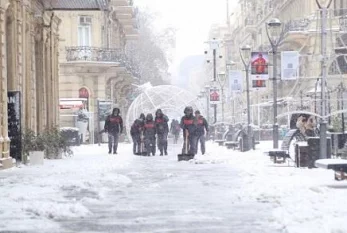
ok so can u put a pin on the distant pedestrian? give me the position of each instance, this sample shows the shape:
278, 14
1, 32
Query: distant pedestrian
162, 126
136, 133
114, 127
149, 132
201, 131
175, 130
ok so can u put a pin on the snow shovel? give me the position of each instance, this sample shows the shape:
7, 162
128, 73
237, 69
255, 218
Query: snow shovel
185, 156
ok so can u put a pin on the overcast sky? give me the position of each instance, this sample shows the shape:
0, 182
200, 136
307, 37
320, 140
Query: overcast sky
191, 18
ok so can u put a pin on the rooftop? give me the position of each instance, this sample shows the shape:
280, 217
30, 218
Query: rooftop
75, 4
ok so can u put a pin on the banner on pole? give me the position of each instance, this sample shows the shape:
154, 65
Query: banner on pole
258, 84
215, 97
235, 81
290, 65
259, 66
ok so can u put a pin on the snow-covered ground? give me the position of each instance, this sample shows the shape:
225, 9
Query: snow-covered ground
224, 191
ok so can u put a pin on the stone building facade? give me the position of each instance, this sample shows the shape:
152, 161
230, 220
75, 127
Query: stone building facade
93, 64
29, 64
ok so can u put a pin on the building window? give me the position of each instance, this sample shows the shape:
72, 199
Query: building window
85, 31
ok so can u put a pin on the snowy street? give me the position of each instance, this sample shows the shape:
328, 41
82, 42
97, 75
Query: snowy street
224, 191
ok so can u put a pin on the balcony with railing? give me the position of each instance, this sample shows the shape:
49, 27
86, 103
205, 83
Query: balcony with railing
102, 55
296, 30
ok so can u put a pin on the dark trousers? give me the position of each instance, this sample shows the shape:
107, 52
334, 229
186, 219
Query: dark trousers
191, 147
162, 142
201, 139
150, 146
113, 141
136, 143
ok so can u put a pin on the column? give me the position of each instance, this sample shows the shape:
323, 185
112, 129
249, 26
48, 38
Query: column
4, 139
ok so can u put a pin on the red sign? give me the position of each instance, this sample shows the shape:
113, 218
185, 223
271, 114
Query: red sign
214, 96
83, 93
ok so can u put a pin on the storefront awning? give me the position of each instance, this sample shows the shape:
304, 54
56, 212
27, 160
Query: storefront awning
71, 104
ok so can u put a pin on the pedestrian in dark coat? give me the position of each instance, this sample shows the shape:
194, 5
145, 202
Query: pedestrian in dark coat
149, 132
114, 127
202, 128
162, 126
189, 125
136, 132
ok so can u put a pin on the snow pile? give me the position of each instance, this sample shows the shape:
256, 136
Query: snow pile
304, 200
37, 197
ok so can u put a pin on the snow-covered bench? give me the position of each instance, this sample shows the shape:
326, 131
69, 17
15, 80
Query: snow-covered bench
338, 165
282, 154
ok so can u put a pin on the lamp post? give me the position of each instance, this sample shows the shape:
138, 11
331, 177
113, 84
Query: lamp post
221, 81
245, 53
323, 123
274, 33
214, 45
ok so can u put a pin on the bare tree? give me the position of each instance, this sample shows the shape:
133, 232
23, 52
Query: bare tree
152, 52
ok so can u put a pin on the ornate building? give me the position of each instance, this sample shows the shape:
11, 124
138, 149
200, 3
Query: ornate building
29, 66
301, 21
93, 64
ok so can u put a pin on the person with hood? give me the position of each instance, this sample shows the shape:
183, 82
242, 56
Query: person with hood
189, 125
114, 127
202, 126
149, 132
136, 132
162, 126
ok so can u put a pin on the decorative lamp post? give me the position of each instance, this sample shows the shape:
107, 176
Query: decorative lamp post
245, 53
323, 5
274, 31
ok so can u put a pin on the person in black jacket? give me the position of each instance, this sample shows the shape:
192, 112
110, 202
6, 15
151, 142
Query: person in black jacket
202, 126
114, 127
189, 125
149, 132
162, 126
136, 132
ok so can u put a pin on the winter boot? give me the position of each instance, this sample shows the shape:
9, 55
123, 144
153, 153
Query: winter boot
165, 152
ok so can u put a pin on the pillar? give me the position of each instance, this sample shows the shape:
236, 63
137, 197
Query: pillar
4, 139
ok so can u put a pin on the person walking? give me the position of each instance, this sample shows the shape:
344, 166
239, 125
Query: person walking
162, 127
175, 129
136, 132
189, 125
114, 127
149, 132
201, 131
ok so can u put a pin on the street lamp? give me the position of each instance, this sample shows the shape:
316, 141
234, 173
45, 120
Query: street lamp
214, 45
274, 33
221, 81
245, 53
323, 5
207, 91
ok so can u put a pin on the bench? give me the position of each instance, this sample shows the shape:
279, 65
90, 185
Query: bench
338, 165
281, 155
233, 142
